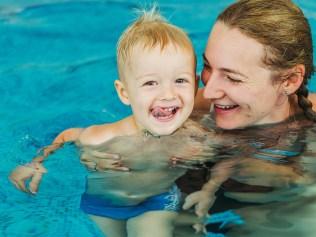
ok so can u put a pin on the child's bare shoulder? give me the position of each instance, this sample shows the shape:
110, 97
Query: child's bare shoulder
98, 134
93, 135
68, 135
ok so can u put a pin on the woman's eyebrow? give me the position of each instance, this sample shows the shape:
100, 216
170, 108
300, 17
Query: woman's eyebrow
233, 71
225, 69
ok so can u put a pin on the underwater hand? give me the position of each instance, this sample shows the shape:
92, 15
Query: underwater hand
189, 219
185, 163
102, 161
202, 200
21, 174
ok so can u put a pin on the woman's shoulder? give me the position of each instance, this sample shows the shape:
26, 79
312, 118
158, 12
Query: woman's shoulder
312, 98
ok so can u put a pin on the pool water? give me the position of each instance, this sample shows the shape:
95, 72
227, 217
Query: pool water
57, 68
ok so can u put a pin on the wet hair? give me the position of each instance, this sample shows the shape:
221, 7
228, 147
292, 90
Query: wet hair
149, 30
281, 27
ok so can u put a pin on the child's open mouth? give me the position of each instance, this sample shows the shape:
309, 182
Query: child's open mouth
164, 114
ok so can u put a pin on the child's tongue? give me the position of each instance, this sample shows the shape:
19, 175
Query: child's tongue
162, 112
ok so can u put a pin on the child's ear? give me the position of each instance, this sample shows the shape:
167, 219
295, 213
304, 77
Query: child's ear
121, 91
294, 79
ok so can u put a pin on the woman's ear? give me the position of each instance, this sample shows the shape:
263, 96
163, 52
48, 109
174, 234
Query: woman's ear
121, 91
294, 79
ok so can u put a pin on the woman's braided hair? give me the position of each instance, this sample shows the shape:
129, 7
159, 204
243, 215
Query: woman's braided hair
281, 27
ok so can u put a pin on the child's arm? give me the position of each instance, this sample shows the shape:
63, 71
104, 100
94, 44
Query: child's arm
34, 170
68, 135
91, 136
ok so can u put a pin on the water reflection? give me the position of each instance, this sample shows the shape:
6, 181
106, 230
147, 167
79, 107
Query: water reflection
271, 188
265, 175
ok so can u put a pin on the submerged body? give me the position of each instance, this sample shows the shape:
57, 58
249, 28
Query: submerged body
148, 159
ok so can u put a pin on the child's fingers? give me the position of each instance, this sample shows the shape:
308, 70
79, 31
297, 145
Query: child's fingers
36, 179
19, 184
24, 172
19, 175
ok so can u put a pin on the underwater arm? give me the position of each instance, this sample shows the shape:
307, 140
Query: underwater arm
204, 198
34, 170
68, 135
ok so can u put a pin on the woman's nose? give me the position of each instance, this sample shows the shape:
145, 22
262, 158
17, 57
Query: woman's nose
213, 88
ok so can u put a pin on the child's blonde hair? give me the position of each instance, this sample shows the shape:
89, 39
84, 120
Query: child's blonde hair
149, 30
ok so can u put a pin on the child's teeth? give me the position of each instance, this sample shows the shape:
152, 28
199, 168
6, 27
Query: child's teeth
164, 111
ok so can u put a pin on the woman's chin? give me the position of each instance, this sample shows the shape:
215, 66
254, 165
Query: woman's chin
228, 125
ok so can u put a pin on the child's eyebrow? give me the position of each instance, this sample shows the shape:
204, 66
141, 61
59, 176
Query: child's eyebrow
146, 75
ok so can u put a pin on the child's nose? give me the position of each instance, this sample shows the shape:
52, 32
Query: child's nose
167, 93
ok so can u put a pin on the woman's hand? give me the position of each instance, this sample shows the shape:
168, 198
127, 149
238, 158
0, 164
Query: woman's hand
201, 200
33, 171
102, 161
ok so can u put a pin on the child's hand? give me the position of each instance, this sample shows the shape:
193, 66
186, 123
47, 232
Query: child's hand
202, 200
33, 171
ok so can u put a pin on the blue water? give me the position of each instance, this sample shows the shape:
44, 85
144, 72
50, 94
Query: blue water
57, 67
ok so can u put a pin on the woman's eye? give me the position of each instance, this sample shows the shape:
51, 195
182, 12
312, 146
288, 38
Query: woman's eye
181, 80
150, 83
233, 80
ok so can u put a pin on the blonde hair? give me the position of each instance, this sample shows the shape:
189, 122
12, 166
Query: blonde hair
149, 30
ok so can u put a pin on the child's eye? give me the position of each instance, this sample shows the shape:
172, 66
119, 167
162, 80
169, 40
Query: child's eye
181, 80
150, 83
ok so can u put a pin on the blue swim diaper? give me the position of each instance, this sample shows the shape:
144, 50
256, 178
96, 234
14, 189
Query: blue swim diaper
168, 201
